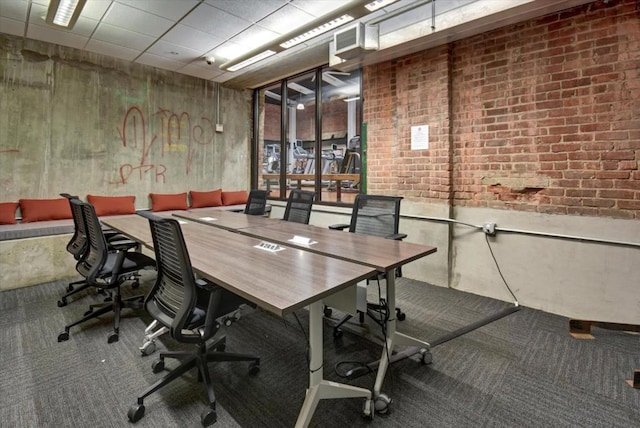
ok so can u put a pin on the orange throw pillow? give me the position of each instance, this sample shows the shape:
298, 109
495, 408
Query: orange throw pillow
112, 205
168, 201
206, 199
235, 198
44, 209
8, 212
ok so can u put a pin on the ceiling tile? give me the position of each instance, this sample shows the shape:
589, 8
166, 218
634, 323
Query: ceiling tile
254, 37
159, 61
95, 9
10, 26
170, 9
229, 51
214, 21
318, 8
133, 19
252, 10
13, 9
84, 26
120, 36
286, 20
190, 37
175, 52
51, 35
110, 49
208, 73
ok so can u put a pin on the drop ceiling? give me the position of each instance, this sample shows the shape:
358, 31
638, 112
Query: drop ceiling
177, 35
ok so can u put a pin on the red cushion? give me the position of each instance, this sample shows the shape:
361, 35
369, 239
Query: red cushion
8, 212
167, 201
112, 205
44, 209
235, 198
206, 199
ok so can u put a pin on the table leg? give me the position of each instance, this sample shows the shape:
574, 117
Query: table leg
393, 338
319, 388
338, 190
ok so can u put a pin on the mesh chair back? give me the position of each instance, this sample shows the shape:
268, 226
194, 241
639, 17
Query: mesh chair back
77, 245
375, 215
256, 203
91, 265
299, 205
173, 297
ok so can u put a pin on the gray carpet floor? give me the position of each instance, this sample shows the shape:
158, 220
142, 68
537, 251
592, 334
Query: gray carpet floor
524, 370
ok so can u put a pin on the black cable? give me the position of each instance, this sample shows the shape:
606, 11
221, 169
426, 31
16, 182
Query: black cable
306, 338
486, 237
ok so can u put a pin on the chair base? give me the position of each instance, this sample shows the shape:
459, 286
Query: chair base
189, 360
116, 306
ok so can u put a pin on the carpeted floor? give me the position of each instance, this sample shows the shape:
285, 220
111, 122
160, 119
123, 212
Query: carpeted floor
524, 370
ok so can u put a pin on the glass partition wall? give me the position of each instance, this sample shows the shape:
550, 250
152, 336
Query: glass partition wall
310, 138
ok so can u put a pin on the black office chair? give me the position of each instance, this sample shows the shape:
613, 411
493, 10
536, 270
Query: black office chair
256, 202
78, 247
299, 204
107, 270
377, 216
189, 308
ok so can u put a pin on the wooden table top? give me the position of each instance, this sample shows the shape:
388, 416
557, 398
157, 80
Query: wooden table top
225, 219
379, 253
280, 282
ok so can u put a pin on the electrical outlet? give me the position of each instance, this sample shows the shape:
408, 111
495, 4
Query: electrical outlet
489, 228
219, 127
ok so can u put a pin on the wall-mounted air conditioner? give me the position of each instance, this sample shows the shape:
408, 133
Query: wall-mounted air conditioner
355, 40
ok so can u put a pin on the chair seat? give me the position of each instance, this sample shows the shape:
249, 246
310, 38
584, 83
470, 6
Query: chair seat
132, 262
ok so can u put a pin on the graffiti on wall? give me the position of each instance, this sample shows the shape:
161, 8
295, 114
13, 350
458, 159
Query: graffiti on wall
177, 138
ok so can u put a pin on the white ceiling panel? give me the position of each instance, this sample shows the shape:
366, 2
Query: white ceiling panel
215, 21
318, 8
14, 9
120, 36
11, 26
170, 9
130, 18
254, 36
110, 49
95, 9
191, 38
51, 35
209, 72
159, 61
174, 52
252, 10
286, 20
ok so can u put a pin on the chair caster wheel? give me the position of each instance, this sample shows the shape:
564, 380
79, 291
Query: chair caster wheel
254, 369
228, 321
337, 333
148, 348
368, 409
62, 302
63, 336
136, 284
401, 316
157, 366
136, 412
381, 404
328, 312
70, 288
208, 417
113, 337
425, 356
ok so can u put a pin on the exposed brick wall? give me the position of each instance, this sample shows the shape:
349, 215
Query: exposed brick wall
545, 116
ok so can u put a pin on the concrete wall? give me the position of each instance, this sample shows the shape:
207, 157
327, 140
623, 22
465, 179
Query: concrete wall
82, 123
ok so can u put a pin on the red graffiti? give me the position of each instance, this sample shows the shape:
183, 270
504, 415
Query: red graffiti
175, 138
10, 151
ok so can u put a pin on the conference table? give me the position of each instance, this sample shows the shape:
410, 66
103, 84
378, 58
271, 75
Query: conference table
384, 255
243, 253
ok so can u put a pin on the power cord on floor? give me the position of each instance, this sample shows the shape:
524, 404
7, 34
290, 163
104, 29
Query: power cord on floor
495, 261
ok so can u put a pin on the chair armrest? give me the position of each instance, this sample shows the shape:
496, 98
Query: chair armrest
125, 244
338, 226
397, 236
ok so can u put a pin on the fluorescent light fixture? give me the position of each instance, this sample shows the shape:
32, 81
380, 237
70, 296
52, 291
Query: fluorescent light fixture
377, 4
251, 60
321, 29
64, 13
348, 100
